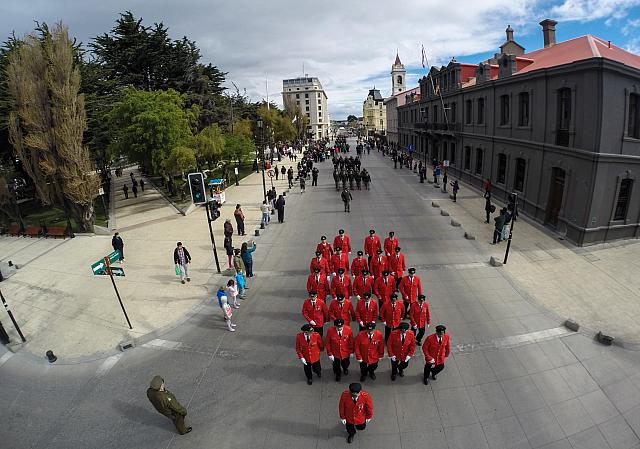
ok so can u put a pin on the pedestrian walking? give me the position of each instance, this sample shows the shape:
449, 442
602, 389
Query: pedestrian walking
314, 176
420, 318
266, 210
436, 349
340, 345
303, 184
455, 187
320, 262
346, 199
290, 176
366, 311
125, 189
343, 241
488, 207
488, 186
410, 287
182, 259
384, 287
318, 282
400, 348
239, 216
246, 252
228, 228
369, 348
283, 171
390, 244
340, 284
343, 309
339, 260
379, 264
134, 189
241, 282
309, 344
276, 170
325, 249
280, 208
499, 224
355, 409
228, 313
232, 293
166, 404
118, 245
238, 263
141, 184
391, 313
228, 246
315, 311
358, 265
371, 245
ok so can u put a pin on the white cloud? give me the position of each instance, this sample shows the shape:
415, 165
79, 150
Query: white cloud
587, 10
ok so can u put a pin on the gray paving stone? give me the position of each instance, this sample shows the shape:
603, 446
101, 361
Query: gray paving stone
578, 379
618, 434
523, 395
366, 439
532, 358
583, 348
633, 418
505, 433
624, 394
598, 406
511, 326
589, 439
485, 331
474, 313
490, 402
474, 368
417, 411
449, 378
604, 370
466, 437
572, 416
455, 407
538, 321
561, 444
505, 364
557, 352
552, 387
498, 311
541, 427
430, 438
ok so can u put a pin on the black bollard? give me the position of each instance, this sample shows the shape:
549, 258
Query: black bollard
51, 356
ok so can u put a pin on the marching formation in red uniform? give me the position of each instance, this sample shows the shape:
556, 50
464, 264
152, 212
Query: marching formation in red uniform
381, 274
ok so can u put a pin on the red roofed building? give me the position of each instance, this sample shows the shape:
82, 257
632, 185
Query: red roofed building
559, 126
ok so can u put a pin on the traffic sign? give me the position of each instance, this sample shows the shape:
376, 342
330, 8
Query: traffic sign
410, 148
99, 267
271, 173
114, 256
117, 271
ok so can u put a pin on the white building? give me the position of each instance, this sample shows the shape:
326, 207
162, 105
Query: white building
308, 95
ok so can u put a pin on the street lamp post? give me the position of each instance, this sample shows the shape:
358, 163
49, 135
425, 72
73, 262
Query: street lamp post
261, 145
237, 170
513, 219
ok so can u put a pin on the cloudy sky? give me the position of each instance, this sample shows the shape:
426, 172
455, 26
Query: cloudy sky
349, 44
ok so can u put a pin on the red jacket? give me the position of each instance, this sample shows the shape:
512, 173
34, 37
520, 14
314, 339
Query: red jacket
345, 311
321, 286
420, 316
396, 348
435, 352
362, 285
323, 264
309, 351
355, 412
390, 315
344, 243
325, 249
371, 246
369, 351
410, 289
377, 266
382, 290
357, 265
341, 261
319, 313
340, 347
338, 286
390, 246
397, 265
366, 314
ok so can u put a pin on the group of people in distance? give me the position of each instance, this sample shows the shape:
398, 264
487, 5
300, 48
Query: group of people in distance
399, 304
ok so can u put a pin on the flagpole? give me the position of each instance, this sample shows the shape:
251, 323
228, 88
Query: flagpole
439, 93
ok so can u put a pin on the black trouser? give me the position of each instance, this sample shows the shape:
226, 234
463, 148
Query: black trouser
351, 428
337, 186
368, 368
340, 363
497, 235
387, 332
240, 226
315, 367
347, 207
318, 329
314, 182
178, 421
290, 182
398, 366
434, 371
488, 213
419, 335
407, 306
454, 195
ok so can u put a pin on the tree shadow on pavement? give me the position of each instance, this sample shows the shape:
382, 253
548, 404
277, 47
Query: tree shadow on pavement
142, 415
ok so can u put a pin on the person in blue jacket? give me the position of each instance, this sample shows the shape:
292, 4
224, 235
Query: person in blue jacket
247, 256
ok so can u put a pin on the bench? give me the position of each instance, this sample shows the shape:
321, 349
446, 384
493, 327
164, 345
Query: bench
32, 231
14, 229
56, 231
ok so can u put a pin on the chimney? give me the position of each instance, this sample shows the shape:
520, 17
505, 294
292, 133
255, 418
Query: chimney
549, 32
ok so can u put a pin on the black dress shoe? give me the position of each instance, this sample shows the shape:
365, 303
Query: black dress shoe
372, 376
346, 371
350, 439
309, 381
401, 373
393, 377
338, 378
189, 429
433, 376
426, 381
362, 378
319, 374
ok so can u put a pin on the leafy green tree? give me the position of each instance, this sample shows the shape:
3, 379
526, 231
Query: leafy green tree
209, 144
146, 126
180, 160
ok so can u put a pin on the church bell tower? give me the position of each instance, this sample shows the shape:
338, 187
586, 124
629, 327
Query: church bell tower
398, 75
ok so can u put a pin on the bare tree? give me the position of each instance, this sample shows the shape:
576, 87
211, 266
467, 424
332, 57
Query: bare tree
47, 121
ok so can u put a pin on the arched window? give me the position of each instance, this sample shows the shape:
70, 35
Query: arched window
399, 79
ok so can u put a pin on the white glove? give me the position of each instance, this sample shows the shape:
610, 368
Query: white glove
304, 362
313, 323
332, 358
351, 355
361, 323
358, 297
359, 361
415, 328
384, 322
427, 326
407, 358
367, 421
393, 358
333, 274
344, 422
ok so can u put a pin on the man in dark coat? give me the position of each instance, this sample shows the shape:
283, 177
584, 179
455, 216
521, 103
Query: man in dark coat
280, 208
166, 404
346, 199
118, 245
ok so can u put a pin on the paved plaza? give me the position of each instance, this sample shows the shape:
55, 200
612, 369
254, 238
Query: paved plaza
516, 379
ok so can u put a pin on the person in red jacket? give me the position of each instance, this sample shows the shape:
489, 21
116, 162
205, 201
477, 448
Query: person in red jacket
400, 348
371, 245
315, 311
420, 318
320, 262
363, 284
384, 287
355, 409
358, 264
390, 244
340, 346
324, 248
410, 287
342, 308
339, 260
378, 264
397, 265
366, 311
341, 284
317, 282
391, 314
436, 349
342, 240
369, 349
309, 345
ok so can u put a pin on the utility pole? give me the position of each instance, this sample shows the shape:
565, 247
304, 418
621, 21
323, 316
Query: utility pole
513, 220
